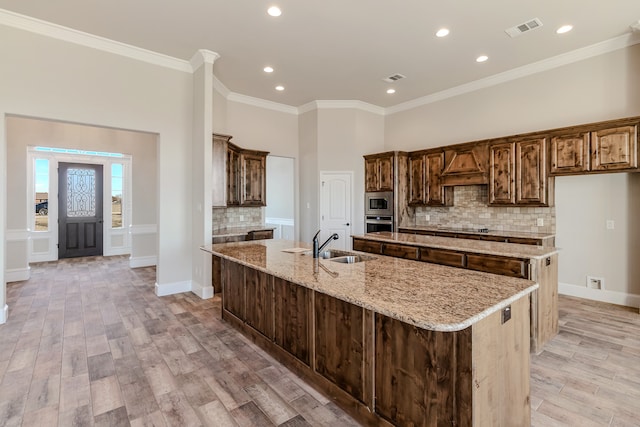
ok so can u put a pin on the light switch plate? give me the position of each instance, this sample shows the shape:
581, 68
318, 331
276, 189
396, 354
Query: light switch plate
611, 224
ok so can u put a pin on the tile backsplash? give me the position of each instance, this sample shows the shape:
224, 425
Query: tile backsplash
470, 210
237, 217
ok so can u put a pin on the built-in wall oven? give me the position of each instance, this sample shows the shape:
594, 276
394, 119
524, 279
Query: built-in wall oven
378, 211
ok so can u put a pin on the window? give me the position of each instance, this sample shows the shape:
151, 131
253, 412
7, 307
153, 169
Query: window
116, 195
41, 184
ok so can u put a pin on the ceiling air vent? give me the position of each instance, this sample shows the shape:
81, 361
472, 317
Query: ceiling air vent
524, 27
394, 78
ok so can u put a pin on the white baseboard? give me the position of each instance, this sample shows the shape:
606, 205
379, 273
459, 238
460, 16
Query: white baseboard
619, 298
17, 274
143, 261
172, 288
204, 292
4, 314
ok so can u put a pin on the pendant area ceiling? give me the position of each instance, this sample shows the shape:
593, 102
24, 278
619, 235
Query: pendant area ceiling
342, 50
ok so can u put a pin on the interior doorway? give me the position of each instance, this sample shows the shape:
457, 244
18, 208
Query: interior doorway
335, 207
80, 213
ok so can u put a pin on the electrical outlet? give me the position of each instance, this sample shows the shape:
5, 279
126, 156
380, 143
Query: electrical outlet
594, 282
241, 218
427, 217
611, 224
540, 222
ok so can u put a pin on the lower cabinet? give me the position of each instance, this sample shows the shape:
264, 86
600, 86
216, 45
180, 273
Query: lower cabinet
292, 311
503, 266
443, 257
259, 301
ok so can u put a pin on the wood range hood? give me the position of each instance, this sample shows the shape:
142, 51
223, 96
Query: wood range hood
465, 164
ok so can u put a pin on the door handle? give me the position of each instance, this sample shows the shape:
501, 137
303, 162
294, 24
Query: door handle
347, 224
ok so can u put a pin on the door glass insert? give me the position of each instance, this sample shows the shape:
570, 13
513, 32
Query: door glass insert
81, 192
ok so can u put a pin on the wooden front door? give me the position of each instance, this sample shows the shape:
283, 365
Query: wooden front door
79, 210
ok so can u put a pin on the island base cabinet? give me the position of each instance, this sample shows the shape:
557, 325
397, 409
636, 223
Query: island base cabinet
478, 376
292, 318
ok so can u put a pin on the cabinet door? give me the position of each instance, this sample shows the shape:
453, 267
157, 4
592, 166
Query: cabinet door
442, 256
367, 246
531, 174
614, 149
417, 195
233, 178
339, 343
385, 170
292, 313
503, 266
569, 154
259, 301
253, 190
371, 175
436, 193
400, 251
501, 174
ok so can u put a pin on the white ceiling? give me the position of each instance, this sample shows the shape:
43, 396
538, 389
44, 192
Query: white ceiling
342, 49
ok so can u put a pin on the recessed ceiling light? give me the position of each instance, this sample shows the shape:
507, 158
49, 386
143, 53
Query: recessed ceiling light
390, 91
564, 29
442, 32
280, 88
268, 69
482, 58
274, 11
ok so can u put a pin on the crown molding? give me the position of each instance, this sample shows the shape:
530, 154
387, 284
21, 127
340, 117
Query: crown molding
262, 103
81, 38
587, 52
220, 87
203, 56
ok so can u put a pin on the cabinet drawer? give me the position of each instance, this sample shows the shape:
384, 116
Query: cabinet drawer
504, 266
260, 235
400, 251
440, 256
524, 241
367, 246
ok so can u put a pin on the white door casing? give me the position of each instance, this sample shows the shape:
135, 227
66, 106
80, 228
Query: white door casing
335, 208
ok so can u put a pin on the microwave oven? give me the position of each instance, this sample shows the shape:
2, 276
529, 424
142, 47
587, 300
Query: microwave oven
378, 203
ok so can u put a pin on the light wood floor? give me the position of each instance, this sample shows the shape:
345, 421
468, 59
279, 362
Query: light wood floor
88, 343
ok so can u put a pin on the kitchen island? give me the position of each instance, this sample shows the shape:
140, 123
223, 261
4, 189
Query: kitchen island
539, 263
394, 342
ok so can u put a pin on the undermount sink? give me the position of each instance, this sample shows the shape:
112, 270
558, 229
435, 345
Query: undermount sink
344, 257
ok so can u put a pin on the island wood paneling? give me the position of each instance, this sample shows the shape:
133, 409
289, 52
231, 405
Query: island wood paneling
216, 271
367, 246
292, 321
400, 251
339, 346
544, 302
504, 266
443, 257
259, 301
233, 288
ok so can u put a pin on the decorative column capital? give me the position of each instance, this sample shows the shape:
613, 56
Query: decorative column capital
203, 56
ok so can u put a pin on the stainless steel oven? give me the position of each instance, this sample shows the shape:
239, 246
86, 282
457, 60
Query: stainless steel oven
378, 223
378, 203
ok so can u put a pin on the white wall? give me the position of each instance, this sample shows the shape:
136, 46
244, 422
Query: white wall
596, 89
49, 78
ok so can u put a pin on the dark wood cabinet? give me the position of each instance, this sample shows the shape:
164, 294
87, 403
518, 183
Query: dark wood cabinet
292, 318
253, 190
339, 346
425, 180
504, 266
466, 164
233, 288
367, 246
517, 173
260, 235
442, 256
569, 154
378, 170
614, 148
400, 251
233, 175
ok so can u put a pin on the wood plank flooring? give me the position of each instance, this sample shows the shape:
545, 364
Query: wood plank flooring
89, 344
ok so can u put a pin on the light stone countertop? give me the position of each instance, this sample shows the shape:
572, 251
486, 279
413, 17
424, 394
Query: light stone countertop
429, 296
465, 245
497, 233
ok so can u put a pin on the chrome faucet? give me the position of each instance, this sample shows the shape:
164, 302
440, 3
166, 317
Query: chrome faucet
317, 249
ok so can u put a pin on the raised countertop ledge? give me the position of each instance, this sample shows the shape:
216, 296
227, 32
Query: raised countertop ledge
464, 245
239, 231
429, 296
497, 233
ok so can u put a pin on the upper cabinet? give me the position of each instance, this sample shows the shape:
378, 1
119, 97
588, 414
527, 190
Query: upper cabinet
378, 172
517, 173
610, 148
239, 175
466, 164
425, 180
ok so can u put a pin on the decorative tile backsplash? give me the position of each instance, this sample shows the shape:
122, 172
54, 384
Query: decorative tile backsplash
470, 210
237, 217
